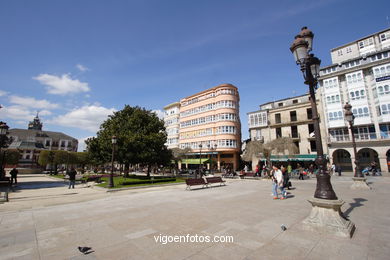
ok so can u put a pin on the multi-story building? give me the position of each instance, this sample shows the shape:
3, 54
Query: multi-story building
171, 119
290, 117
209, 124
30, 142
359, 74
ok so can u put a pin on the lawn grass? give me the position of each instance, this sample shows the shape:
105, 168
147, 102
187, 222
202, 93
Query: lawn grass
118, 182
59, 176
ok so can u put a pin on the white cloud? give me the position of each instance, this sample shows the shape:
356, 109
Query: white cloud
32, 102
20, 114
16, 113
3, 93
159, 113
81, 67
87, 117
62, 85
82, 146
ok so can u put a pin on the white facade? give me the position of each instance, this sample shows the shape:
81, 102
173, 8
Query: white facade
360, 75
171, 119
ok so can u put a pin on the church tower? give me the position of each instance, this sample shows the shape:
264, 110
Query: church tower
35, 124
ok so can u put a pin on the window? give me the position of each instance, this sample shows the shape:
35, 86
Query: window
384, 36
379, 56
365, 43
348, 49
278, 132
354, 77
258, 119
364, 133
383, 90
311, 129
294, 131
295, 101
361, 112
383, 109
47, 143
313, 146
309, 113
280, 104
339, 134
258, 134
334, 116
340, 52
381, 71
333, 99
330, 83
278, 119
357, 94
293, 115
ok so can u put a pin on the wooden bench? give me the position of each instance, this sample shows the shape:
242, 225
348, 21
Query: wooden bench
194, 182
219, 180
93, 178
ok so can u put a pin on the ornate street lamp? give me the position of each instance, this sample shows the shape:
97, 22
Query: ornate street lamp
326, 212
113, 142
3, 128
310, 67
349, 117
359, 179
3, 140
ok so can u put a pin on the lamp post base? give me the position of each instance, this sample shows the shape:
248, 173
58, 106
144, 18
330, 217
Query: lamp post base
359, 183
326, 217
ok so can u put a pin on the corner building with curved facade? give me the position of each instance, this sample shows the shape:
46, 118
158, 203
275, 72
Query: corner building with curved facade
209, 124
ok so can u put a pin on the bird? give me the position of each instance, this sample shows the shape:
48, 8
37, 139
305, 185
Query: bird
283, 227
85, 250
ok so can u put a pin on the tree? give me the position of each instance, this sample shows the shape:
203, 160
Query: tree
46, 157
82, 159
278, 145
140, 136
12, 156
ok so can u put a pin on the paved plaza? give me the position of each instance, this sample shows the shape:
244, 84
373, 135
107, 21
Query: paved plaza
46, 220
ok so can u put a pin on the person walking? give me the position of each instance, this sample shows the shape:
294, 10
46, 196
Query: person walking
289, 169
14, 175
277, 182
300, 171
286, 178
257, 171
72, 177
338, 169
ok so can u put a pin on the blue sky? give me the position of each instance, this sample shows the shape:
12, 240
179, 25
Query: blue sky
77, 61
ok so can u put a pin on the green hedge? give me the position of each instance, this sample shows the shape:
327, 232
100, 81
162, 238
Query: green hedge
148, 181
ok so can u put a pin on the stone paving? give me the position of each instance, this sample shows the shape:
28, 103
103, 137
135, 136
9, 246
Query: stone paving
51, 222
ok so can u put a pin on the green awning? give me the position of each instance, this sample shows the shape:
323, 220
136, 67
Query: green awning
194, 161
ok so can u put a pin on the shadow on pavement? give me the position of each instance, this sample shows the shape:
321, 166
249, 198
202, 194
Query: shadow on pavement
39, 185
357, 203
44, 196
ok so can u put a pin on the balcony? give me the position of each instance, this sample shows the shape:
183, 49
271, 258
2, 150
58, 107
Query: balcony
361, 137
338, 138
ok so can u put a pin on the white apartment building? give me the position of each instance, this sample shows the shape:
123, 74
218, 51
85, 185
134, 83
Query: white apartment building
359, 74
171, 119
